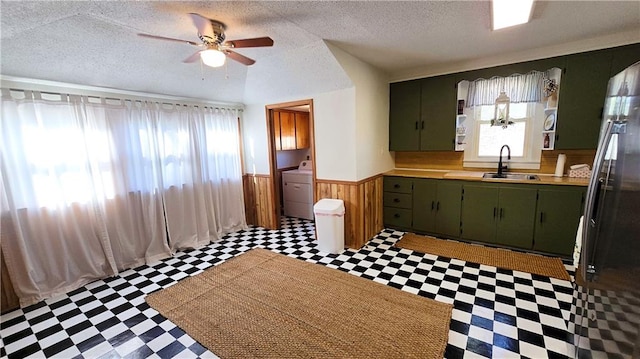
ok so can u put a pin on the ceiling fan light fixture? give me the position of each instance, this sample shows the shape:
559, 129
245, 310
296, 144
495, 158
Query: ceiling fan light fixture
213, 58
506, 13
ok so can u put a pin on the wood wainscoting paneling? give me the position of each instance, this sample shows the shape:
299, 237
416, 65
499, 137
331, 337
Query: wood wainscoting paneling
363, 206
259, 202
8, 298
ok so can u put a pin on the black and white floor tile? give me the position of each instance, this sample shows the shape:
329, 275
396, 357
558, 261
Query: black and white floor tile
497, 313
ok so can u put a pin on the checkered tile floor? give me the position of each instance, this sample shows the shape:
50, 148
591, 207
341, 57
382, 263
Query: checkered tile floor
609, 327
497, 313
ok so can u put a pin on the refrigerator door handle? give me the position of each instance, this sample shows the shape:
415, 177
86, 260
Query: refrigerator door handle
592, 197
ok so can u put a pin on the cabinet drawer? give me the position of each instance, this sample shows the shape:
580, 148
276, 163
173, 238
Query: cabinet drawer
398, 200
397, 184
397, 217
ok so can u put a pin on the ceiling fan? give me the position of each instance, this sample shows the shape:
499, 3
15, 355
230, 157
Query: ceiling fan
215, 48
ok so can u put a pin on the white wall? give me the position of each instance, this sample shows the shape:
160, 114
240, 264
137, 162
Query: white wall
372, 115
254, 139
335, 135
351, 123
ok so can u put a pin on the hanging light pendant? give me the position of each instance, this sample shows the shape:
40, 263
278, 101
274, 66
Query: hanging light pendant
501, 112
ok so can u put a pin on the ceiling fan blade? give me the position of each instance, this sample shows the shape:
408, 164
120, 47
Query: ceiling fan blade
169, 39
202, 24
193, 58
256, 42
240, 58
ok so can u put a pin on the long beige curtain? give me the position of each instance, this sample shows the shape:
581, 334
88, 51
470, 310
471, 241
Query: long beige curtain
90, 188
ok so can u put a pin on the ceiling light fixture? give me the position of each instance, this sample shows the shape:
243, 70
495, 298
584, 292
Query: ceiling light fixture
508, 13
213, 57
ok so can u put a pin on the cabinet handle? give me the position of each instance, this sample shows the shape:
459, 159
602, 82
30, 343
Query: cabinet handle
396, 185
423, 125
438, 206
396, 200
416, 125
433, 204
495, 211
396, 215
541, 217
501, 212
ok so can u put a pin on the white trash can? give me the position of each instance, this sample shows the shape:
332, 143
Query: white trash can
329, 225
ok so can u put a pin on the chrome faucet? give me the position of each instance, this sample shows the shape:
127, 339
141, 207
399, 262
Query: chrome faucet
500, 166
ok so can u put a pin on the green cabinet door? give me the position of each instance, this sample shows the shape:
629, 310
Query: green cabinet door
557, 218
623, 57
404, 116
424, 205
479, 213
438, 114
516, 213
448, 207
583, 87
436, 207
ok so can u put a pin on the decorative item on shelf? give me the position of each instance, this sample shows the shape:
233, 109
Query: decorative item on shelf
551, 92
461, 130
501, 112
460, 107
547, 141
549, 122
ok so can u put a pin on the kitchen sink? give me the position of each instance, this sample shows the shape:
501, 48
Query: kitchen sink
511, 176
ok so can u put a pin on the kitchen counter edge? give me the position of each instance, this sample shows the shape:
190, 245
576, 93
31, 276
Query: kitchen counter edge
545, 179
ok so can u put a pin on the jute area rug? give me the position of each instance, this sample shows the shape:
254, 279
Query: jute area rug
497, 257
267, 305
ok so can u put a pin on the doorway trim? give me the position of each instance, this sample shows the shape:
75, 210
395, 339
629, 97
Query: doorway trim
275, 187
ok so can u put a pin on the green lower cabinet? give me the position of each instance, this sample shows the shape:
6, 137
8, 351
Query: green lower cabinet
499, 215
557, 218
479, 212
436, 207
516, 213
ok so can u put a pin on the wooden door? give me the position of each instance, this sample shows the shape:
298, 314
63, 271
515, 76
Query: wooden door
302, 130
287, 130
276, 130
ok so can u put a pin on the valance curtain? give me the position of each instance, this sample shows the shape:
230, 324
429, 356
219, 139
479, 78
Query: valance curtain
90, 188
519, 88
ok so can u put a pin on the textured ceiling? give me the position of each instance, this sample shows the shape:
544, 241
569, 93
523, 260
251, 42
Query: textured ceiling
95, 43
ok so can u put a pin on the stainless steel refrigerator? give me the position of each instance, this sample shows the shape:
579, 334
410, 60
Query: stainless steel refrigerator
606, 317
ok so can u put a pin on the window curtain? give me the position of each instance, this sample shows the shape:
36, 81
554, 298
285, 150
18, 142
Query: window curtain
90, 188
519, 88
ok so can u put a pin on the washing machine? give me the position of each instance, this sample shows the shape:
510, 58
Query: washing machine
297, 188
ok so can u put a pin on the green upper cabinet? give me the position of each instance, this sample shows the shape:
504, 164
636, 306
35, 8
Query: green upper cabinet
438, 103
557, 217
583, 88
623, 57
422, 114
404, 116
436, 207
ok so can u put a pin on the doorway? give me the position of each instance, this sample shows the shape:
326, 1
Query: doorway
291, 137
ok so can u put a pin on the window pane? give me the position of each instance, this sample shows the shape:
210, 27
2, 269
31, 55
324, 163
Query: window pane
491, 138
